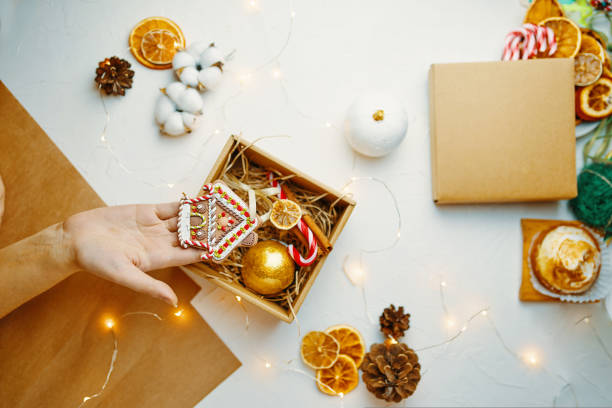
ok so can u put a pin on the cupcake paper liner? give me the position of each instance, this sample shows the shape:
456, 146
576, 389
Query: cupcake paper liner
600, 289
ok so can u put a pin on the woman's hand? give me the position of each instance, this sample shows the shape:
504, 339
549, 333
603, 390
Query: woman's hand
122, 243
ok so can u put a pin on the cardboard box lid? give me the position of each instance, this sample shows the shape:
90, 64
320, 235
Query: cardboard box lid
502, 131
54, 349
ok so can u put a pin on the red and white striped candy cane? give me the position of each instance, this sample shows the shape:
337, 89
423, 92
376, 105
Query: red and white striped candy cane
527, 41
313, 247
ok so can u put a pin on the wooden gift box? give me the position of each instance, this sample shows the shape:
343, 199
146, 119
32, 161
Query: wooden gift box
257, 156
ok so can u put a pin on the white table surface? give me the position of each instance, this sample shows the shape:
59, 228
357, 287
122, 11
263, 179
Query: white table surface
336, 51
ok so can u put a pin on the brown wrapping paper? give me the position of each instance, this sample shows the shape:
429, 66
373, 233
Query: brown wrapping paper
55, 350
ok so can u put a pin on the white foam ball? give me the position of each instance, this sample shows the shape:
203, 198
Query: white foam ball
209, 77
376, 123
174, 125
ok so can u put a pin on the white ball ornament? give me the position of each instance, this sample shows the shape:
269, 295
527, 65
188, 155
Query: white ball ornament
376, 123
177, 109
199, 66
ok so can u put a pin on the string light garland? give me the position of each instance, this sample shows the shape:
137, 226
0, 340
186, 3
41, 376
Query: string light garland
110, 324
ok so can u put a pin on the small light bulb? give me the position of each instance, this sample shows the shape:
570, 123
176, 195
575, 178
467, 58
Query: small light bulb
103, 139
178, 313
450, 322
341, 395
531, 358
276, 73
293, 14
586, 320
85, 399
238, 298
484, 312
443, 284
217, 131
399, 234
170, 185
110, 323
464, 328
268, 365
252, 3
327, 124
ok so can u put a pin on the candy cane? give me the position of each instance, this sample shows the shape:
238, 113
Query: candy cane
527, 41
313, 247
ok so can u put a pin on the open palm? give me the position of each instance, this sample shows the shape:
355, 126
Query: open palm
121, 243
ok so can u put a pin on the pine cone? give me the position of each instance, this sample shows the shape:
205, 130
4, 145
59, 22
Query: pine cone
391, 371
114, 76
393, 322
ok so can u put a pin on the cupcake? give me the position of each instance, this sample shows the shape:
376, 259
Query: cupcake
566, 259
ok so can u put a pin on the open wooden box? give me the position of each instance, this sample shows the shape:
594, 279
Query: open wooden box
257, 156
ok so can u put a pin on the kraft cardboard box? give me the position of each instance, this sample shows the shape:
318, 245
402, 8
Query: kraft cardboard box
502, 131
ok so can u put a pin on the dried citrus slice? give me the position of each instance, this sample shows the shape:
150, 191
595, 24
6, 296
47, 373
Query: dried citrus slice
590, 45
567, 34
341, 378
147, 26
540, 10
594, 102
159, 46
319, 350
285, 214
587, 69
351, 342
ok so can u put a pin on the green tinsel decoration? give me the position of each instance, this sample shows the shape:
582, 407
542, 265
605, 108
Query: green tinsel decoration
593, 205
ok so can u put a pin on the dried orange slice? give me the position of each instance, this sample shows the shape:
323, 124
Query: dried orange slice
351, 342
594, 102
339, 379
587, 69
567, 34
151, 26
319, 350
159, 46
540, 10
590, 45
285, 214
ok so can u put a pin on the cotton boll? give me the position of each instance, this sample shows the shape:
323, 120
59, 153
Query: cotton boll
174, 125
189, 76
190, 101
190, 120
210, 56
175, 90
183, 59
163, 109
197, 48
209, 77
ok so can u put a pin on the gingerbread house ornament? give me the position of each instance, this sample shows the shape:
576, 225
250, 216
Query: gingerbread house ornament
216, 222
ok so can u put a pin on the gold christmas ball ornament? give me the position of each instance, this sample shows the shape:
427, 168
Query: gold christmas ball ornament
267, 268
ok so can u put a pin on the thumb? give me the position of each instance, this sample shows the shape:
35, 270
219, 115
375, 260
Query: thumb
135, 279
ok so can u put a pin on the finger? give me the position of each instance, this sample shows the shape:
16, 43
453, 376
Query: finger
166, 210
172, 224
132, 277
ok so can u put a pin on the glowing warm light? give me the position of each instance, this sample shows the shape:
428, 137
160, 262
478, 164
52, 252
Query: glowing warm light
170, 185
484, 312
238, 298
341, 395
443, 284
217, 131
354, 271
531, 358
85, 399
268, 365
399, 234
292, 14
586, 319
276, 73
179, 313
103, 138
245, 78
327, 124
450, 322
464, 328
110, 323
253, 3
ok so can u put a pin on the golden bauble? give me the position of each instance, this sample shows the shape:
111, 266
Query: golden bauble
267, 268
